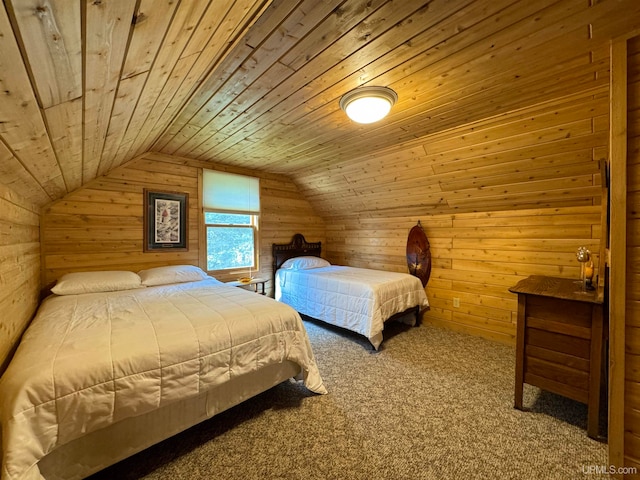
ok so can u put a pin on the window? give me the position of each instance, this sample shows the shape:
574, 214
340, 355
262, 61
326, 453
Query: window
231, 241
231, 205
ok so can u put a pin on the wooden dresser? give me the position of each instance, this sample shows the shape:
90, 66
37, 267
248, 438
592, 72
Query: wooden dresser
560, 341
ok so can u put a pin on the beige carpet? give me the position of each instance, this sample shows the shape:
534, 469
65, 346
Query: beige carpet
432, 404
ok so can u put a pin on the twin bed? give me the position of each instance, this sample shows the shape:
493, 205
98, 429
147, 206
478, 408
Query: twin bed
117, 361
357, 299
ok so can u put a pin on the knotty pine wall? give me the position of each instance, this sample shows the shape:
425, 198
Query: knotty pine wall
100, 226
517, 231
476, 257
19, 268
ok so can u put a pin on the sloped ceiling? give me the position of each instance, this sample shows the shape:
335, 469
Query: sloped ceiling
88, 85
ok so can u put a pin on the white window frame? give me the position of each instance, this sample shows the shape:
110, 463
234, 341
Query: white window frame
253, 226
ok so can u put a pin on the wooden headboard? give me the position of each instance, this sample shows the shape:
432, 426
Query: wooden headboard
298, 247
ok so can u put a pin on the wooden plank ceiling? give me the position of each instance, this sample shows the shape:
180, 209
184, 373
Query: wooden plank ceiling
88, 85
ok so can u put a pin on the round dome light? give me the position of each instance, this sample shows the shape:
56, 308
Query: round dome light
368, 104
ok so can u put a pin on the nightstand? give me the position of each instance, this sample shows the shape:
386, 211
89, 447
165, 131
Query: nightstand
256, 282
561, 340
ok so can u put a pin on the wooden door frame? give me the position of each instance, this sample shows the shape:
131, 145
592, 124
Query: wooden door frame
617, 249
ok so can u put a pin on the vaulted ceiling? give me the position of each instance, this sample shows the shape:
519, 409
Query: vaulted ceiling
88, 85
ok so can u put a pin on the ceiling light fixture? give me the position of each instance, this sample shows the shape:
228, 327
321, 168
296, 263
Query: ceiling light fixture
368, 104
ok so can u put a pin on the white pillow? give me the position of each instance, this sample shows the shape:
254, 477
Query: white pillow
93, 282
171, 274
303, 263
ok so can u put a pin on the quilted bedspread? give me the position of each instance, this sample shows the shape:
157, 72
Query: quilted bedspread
357, 299
91, 360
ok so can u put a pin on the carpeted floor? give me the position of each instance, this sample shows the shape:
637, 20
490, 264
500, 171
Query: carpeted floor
431, 404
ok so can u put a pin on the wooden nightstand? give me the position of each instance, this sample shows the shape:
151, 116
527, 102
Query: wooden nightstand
561, 338
256, 282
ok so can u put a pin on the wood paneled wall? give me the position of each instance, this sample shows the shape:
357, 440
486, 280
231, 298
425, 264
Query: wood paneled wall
19, 268
100, 226
476, 257
632, 330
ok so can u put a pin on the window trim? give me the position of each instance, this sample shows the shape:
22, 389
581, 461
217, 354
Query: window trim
253, 226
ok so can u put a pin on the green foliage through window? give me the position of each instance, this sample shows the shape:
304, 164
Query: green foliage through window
230, 241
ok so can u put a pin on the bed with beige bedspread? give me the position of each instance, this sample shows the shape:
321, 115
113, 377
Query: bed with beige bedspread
93, 366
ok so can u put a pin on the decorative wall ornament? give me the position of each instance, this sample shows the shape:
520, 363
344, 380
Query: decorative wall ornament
419, 254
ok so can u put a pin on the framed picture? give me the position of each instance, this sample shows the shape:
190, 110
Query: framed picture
166, 221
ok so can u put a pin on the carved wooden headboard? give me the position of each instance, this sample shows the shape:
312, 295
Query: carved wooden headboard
296, 248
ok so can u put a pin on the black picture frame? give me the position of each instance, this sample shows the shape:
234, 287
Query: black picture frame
166, 220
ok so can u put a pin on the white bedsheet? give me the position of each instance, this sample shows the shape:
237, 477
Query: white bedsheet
90, 360
357, 299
